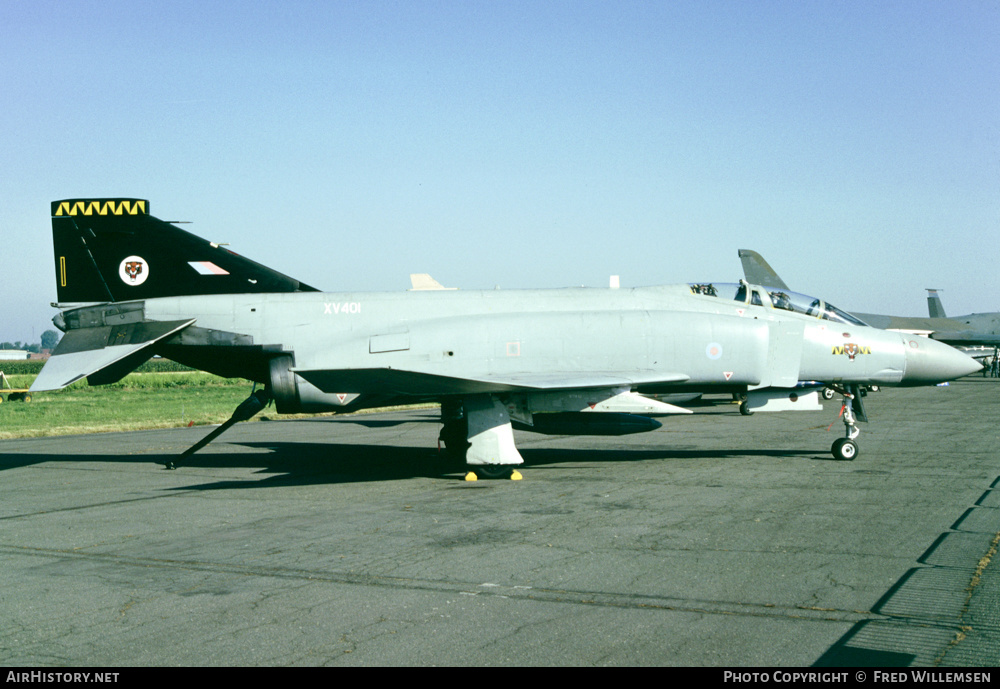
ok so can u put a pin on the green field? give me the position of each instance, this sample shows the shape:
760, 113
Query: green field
140, 400
160, 394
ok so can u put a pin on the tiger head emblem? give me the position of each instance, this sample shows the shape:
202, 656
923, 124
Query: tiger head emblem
133, 269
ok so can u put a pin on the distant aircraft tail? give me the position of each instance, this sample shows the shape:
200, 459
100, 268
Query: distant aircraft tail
423, 281
113, 250
757, 271
934, 306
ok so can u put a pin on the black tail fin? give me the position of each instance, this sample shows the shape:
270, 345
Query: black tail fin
113, 250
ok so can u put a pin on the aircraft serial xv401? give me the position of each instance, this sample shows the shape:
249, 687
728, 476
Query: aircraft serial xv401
564, 361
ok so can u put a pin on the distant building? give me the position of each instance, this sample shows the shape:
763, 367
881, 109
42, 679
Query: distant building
13, 354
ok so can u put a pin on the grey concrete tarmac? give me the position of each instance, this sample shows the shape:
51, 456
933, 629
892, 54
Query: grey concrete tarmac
718, 540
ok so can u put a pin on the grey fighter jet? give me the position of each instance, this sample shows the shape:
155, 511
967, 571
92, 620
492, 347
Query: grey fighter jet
976, 334
575, 360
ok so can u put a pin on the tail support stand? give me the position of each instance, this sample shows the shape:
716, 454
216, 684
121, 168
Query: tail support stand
248, 407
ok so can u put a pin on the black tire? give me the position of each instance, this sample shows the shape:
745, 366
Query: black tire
844, 449
828, 393
453, 441
745, 409
493, 471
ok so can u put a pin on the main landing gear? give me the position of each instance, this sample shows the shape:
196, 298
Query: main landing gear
476, 432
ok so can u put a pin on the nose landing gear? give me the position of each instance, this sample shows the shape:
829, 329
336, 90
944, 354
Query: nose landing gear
853, 410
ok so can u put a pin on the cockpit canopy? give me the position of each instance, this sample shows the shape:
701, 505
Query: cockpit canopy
777, 298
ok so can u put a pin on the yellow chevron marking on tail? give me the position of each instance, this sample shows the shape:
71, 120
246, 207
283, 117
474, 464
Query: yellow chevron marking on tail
102, 207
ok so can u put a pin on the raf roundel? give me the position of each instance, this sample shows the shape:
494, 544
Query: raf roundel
133, 271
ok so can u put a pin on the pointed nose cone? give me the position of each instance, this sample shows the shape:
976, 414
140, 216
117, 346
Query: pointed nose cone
929, 362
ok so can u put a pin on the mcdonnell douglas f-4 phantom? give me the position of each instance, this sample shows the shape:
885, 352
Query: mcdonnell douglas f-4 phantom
563, 361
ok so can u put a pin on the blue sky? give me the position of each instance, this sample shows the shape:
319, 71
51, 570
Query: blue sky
521, 144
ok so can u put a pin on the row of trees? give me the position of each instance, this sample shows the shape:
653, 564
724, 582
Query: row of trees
49, 340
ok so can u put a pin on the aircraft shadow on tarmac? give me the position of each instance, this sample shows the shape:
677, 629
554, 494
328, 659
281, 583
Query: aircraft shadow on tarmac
318, 463
331, 463
300, 463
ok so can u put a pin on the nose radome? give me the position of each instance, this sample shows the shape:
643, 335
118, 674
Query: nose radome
928, 362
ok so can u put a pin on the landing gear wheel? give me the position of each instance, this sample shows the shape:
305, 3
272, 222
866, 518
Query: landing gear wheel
844, 449
828, 393
453, 442
745, 408
493, 471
